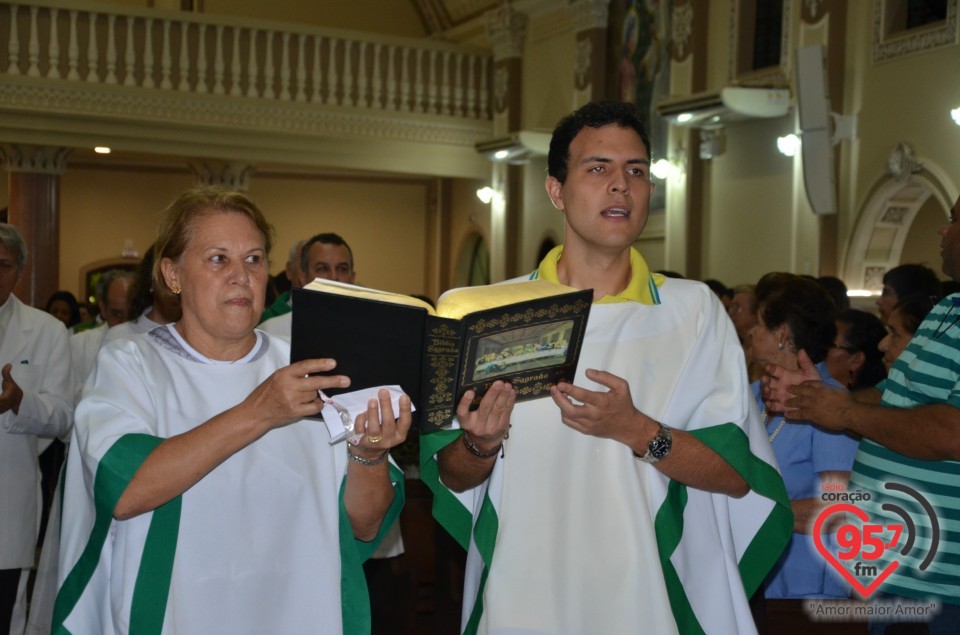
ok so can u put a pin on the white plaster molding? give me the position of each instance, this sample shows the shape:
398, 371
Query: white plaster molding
231, 174
913, 41
813, 7
895, 215
885, 220
507, 30
902, 164
584, 52
681, 26
501, 83
34, 158
156, 107
589, 14
463, 9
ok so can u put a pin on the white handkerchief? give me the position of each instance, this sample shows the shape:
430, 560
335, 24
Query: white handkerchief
355, 403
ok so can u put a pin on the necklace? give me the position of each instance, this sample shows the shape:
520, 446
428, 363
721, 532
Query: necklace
941, 329
776, 431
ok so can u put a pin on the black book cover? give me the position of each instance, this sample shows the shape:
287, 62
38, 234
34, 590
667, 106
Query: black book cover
532, 344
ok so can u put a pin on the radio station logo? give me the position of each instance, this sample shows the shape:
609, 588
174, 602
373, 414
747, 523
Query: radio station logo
866, 552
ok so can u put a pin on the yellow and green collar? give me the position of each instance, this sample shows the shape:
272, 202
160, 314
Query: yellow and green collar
643, 285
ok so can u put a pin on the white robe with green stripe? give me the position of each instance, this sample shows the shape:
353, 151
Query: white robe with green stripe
259, 545
571, 534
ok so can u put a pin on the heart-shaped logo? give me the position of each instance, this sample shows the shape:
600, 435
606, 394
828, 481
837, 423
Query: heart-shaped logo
865, 591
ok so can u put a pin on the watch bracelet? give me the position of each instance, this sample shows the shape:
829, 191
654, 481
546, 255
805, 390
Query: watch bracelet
367, 462
474, 450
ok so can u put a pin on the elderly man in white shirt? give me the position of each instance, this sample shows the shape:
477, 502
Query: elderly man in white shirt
36, 400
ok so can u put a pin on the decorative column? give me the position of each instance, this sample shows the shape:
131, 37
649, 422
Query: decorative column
507, 30
688, 55
590, 20
233, 175
34, 184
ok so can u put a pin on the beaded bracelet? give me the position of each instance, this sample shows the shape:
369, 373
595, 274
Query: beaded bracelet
474, 450
368, 462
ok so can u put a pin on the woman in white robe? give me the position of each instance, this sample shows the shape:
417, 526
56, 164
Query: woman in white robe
198, 497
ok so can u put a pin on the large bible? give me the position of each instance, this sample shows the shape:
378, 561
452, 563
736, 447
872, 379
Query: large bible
526, 333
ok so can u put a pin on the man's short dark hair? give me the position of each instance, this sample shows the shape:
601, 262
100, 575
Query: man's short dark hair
328, 238
913, 279
596, 114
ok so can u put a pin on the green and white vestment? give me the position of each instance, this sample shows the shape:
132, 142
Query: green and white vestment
260, 545
572, 534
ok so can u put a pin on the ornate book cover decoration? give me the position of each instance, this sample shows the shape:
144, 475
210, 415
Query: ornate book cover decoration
526, 333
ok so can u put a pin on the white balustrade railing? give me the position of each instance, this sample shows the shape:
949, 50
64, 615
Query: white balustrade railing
159, 50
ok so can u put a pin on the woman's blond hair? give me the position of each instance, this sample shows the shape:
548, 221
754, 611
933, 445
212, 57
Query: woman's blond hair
180, 217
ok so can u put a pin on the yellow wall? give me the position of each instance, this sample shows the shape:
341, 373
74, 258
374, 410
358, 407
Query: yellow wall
909, 99
922, 244
548, 73
469, 216
756, 217
747, 227
383, 220
100, 209
541, 219
904, 100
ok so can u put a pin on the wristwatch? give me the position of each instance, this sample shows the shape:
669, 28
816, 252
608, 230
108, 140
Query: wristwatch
659, 446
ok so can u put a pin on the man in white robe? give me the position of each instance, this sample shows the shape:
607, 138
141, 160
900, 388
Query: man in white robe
644, 497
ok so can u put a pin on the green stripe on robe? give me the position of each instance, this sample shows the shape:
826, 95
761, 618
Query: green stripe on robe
731, 444
455, 518
727, 440
152, 587
114, 473
354, 597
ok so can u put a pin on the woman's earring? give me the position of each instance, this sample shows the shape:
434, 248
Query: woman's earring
780, 345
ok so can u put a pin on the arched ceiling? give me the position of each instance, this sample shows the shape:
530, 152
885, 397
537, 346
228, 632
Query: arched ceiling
440, 16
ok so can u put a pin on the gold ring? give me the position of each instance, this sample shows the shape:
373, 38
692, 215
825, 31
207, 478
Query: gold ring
374, 438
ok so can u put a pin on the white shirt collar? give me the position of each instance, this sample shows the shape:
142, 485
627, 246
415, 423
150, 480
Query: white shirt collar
6, 313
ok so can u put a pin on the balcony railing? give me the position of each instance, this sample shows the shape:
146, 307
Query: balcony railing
215, 55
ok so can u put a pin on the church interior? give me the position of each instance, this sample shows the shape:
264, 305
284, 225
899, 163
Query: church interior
810, 136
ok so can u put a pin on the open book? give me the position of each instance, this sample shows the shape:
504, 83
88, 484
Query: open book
527, 333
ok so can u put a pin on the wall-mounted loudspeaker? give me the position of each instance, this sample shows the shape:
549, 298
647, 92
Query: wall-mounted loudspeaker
813, 109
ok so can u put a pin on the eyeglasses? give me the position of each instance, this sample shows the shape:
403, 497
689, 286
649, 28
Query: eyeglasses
849, 349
